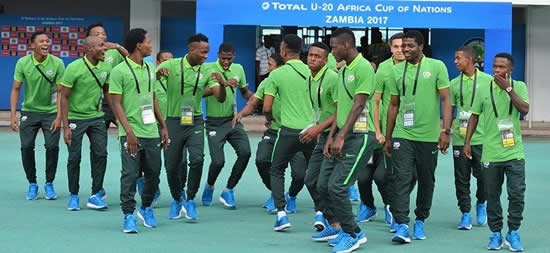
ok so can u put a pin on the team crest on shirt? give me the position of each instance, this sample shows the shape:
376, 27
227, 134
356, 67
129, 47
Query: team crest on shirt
427, 74
109, 59
396, 145
23, 118
72, 126
103, 74
199, 75
49, 72
457, 153
486, 165
351, 78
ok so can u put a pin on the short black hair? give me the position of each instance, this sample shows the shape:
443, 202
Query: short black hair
467, 50
416, 35
161, 52
278, 59
293, 43
34, 35
226, 47
199, 37
507, 56
396, 36
323, 46
92, 26
134, 36
345, 34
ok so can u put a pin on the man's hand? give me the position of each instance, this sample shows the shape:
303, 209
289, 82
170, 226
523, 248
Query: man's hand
165, 139
56, 124
232, 82
326, 148
236, 119
267, 123
162, 72
443, 143
309, 135
67, 135
132, 144
336, 147
110, 45
467, 151
216, 76
502, 82
387, 148
380, 138
14, 123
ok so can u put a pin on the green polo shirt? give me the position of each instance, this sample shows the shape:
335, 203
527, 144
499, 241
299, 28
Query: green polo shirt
324, 97
483, 80
192, 78
493, 149
113, 57
121, 82
38, 91
432, 77
383, 81
290, 83
358, 78
331, 63
85, 91
275, 108
160, 93
213, 107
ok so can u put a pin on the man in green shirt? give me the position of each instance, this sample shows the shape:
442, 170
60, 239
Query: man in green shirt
464, 89
349, 145
499, 105
219, 117
324, 103
290, 84
131, 86
418, 85
186, 79
41, 73
377, 167
264, 151
114, 55
84, 87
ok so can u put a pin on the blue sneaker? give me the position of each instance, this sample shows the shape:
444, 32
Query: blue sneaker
95, 202
33, 192
333, 242
228, 199
148, 217
346, 244
388, 216
183, 197
176, 210
74, 203
268, 202
512, 241
465, 222
270, 205
481, 211
419, 233
101, 194
353, 195
394, 227
50, 192
190, 211
139, 183
361, 237
495, 241
319, 222
290, 203
129, 224
281, 223
365, 213
207, 195
327, 234
156, 199
402, 234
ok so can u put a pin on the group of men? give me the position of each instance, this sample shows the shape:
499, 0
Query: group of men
334, 125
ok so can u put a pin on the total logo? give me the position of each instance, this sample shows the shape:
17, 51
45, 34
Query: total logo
278, 6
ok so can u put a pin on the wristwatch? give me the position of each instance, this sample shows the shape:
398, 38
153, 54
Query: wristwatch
447, 131
509, 89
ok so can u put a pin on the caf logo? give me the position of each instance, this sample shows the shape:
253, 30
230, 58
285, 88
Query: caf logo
478, 45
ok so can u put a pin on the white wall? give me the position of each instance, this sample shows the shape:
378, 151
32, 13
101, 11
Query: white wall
538, 62
146, 14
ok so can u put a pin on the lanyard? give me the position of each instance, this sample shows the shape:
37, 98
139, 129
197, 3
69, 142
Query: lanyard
344, 83
163, 86
183, 79
93, 74
303, 77
135, 77
45, 77
493, 100
473, 90
415, 78
318, 89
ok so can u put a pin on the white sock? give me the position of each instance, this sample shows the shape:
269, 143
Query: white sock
318, 213
281, 214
